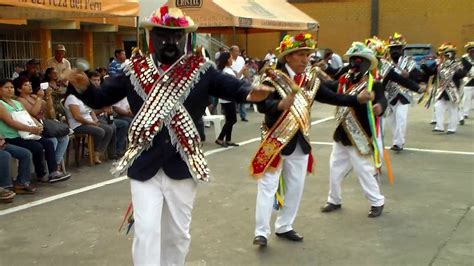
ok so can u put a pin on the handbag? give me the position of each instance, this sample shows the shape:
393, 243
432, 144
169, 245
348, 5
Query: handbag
25, 118
54, 129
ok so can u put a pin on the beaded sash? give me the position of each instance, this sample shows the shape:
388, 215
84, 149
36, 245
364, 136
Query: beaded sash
445, 80
289, 122
405, 63
346, 117
163, 106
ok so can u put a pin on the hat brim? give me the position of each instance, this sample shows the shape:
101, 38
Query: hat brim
281, 56
373, 60
149, 25
449, 50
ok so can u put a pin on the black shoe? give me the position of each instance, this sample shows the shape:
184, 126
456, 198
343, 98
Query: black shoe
375, 211
450, 132
438, 130
291, 235
260, 241
433, 123
396, 148
466, 117
58, 177
221, 143
232, 144
461, 122
329, 207
244, 120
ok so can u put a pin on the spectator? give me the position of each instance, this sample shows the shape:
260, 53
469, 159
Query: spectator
223, 64
333, 59
83, 120
18, 70
105, 115
218, 53
270, 56
23, 179
103, 73
115, 67
51, 76
240, 68
40, 107
60, 64
243, 53
39, 148
32, 73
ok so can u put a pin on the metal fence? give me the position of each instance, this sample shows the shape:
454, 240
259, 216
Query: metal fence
16, 48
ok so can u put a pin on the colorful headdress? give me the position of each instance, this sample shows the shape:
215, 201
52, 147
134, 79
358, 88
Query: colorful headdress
447, 47
396, 40
379, 47
169, 18
359, 49
295, 43
469, 45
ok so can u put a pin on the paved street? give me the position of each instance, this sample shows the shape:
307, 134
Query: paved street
428, 217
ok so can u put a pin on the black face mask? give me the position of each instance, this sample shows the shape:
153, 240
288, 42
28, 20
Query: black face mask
359, 64
168, 45
396, 53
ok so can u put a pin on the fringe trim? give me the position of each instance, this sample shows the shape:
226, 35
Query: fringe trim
134, 152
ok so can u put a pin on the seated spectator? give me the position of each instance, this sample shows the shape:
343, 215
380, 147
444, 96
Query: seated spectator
51, 76
103, 72
106, 117
122, 115
82, 120
39, 148
23, 179
6, 196
40, 106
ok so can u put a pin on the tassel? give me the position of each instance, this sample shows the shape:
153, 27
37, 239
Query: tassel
129, 210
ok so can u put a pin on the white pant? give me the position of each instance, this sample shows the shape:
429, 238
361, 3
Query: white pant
440, 107
294, 168
467, 100
342, 158
162, 210
398, 123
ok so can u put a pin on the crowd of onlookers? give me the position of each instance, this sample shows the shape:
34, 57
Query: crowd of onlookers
39, 114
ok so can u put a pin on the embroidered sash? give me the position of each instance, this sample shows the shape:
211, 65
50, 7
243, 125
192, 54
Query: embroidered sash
163, 106
405, 63
445, 81
289, 122
346, 117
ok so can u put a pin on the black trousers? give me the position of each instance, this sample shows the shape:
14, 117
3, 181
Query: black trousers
36, 148
230, 120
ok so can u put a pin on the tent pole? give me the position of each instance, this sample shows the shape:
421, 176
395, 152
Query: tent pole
233, 35
137, 21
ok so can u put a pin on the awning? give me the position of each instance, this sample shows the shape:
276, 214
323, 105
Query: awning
250, 16
67, 9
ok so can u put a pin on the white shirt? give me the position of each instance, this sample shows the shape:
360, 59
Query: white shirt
269, 57
336, 61
228, 71
216, 56
84, 110
291, 73
59, 67
238, 64
123, 104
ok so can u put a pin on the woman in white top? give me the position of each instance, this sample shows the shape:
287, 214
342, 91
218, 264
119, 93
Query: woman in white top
83, 120
228, 107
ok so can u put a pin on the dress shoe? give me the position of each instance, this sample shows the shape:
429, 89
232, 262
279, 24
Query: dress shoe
433, 123
260, 241
461, 122
291, 235
375, 211
396, 148
232, 144
244, 120
450, 132
437, 130
329, 207
221, 143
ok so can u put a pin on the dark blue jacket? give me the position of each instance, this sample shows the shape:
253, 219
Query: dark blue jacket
163, 154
